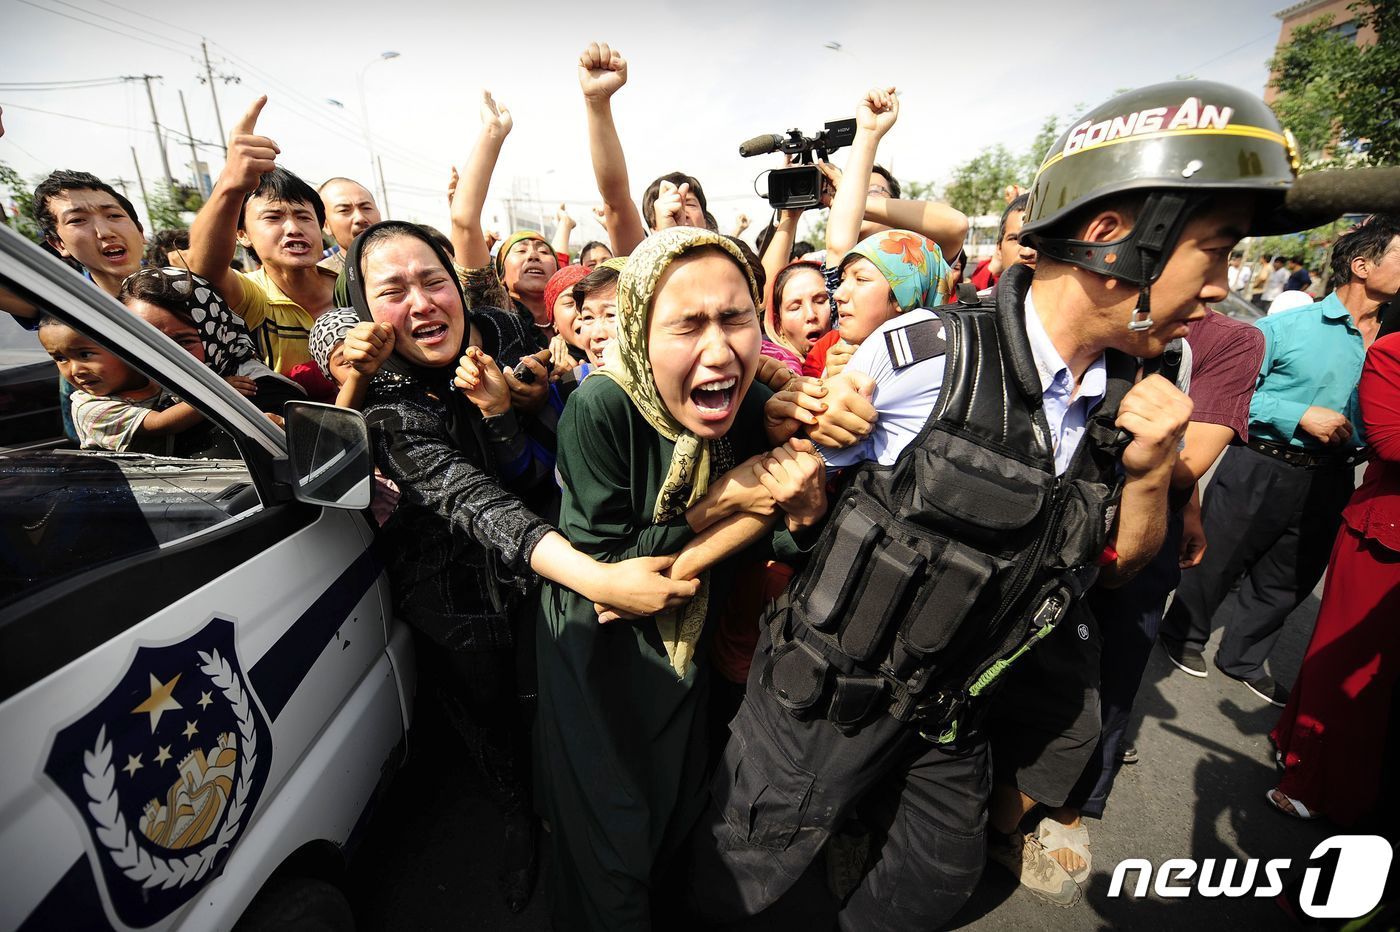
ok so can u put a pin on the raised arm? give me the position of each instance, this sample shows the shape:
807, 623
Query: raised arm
874, 117
214, 233
945, 225
563, 229
775, 257
601, 72
469, 245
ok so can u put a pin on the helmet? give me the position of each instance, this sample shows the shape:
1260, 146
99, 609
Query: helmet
1179, 143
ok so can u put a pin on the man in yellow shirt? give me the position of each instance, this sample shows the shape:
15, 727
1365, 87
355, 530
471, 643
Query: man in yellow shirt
261, 206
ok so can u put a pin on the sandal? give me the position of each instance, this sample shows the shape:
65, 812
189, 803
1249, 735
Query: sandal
1294, 808
1054, 836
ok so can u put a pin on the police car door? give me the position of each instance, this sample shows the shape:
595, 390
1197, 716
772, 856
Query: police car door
195, 670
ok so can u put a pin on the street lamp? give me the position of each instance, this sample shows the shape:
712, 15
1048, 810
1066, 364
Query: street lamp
375, 172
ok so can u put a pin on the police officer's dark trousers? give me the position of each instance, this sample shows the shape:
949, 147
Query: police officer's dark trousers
1128, 620
1273, 523
782, 787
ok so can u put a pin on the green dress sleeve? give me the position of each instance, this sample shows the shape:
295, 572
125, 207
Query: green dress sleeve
611, 464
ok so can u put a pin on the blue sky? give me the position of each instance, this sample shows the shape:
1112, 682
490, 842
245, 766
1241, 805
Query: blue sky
703, 77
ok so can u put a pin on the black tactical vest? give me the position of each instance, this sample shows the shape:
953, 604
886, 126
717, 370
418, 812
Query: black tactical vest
934, 574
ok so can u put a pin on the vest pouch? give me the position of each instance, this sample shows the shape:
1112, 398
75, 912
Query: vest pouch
834, 571
888, 575
1084, 522
975, 494
795, 676
954, 584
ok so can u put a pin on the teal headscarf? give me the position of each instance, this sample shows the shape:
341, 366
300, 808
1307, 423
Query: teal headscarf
912, 264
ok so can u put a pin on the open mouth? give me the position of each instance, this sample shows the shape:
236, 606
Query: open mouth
296, 247
430, 333
114, 254
714, 399
815, 334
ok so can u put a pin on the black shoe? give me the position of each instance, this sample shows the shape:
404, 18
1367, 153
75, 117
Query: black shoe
1187, 659
1127, 754
517, 877
1262, 685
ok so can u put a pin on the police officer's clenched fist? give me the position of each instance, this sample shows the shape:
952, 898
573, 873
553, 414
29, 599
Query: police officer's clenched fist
1155, 412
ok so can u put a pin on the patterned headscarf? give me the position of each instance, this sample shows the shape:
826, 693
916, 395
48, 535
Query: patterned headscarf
328, 330
911, 263
561, 281
616, 263
688, 474
509, 243
227, 344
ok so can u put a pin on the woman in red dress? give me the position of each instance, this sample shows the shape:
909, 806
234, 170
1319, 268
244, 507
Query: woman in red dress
1331, 734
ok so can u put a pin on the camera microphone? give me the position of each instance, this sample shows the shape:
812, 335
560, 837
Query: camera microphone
761, 145
1319, 197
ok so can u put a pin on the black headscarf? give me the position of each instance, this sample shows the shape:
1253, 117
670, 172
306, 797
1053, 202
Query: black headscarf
463, 420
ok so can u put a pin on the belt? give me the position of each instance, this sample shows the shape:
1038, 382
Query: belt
1295, 457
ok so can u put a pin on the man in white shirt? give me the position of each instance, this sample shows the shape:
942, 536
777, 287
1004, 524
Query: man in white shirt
1278, 278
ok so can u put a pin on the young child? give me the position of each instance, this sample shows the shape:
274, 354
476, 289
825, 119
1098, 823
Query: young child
327, 345
114, 406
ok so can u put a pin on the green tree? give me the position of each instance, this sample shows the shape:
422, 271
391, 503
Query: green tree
1040, 145
168, 204
978, 185
1339, 98
22, 221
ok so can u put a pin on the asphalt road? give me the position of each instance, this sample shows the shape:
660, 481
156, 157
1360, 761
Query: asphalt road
429, 860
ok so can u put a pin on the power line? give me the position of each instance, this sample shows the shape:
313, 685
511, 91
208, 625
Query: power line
144, 20
1267, 35
57, 85
402, 153
146, 17
126, 35
170, 131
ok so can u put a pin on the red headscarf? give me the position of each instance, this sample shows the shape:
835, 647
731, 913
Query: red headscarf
560, 282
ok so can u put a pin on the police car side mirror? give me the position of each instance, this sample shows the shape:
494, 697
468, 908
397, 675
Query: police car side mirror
328, 452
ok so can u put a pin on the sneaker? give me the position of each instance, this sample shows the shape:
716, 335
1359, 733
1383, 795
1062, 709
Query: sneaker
1188, 659
1128, 754
1263, 686
1027, 860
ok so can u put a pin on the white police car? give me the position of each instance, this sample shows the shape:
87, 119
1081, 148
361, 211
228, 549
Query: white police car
202, 688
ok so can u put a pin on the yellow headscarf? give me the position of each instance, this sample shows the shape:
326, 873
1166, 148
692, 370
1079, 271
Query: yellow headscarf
688, 475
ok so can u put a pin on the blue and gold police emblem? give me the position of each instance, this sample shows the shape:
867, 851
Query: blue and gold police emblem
165, 772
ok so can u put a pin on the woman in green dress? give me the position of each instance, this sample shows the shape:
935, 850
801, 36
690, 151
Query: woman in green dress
647, 458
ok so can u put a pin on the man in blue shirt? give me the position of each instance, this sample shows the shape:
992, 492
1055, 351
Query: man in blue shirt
1298, 278
1273, 509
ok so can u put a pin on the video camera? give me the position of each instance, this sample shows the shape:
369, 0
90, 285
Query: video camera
799, 187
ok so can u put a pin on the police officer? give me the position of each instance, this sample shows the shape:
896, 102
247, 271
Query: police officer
1018, 456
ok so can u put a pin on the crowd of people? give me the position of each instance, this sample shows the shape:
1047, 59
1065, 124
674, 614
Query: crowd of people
744, 569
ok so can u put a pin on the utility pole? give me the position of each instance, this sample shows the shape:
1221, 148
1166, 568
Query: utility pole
155, 122
145, 198
194, 155
209, 79
383, 191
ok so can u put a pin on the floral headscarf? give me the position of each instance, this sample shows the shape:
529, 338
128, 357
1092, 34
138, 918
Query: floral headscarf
688, 474
912, 264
